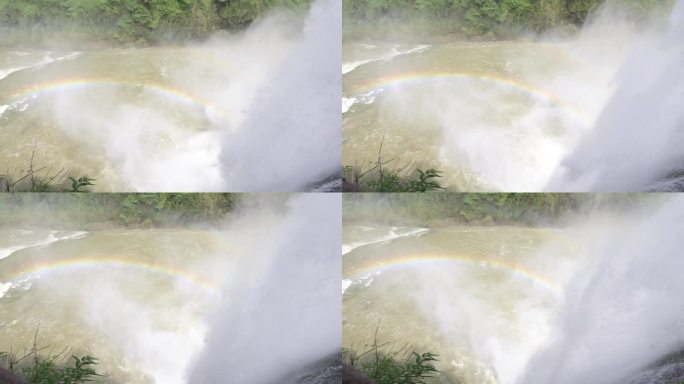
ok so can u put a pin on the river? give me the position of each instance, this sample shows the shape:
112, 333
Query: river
212, 116
539, 114
255, 298
127, 297
444, 290
492, 116
593, 300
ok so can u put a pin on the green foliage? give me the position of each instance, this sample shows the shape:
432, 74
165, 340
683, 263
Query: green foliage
386, 366
134, 20
434, 209
50, 371
394, 181
35, 367
84, 181
490, 17
386, 369
136, 210
157, 209
41, 180
390, 176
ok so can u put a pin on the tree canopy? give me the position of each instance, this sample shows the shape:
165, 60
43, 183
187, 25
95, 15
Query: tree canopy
136, 20
477, 17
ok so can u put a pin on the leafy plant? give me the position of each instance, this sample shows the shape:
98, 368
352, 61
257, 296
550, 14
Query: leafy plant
390, 176
50, 371
40, 179
392, 367
36, 368
81, 182
387, 369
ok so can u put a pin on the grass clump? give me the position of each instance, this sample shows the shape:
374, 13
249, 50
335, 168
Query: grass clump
401, 179
52, 371
42, 179
391, 176
388, 369
386, 366
34, 367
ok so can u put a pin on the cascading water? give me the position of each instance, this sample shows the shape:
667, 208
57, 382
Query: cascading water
623, 311
638, 139
281, 313
296, 119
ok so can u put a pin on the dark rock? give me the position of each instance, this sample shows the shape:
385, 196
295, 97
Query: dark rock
8, 377
351, 375
668, 370
348, 186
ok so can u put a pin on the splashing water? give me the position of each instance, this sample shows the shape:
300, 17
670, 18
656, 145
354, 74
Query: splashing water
282, 313
624, 310
295, 122
637, 141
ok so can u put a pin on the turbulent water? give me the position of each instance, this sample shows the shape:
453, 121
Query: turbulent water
256, 301
594, 302
128, 297
208, 117
464, 293
643, 116
522, 116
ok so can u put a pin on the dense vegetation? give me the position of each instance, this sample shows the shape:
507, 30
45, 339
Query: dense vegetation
490, 18
143, 209
37, 178
435, 209
391, 180
386, 366
388, 369
31, 181
131, 20
52, 371
35, 366
389, 175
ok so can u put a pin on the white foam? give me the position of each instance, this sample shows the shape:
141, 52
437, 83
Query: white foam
348, 67
45, 60
346, 283
4, 287
52, 237
347, 103
3, 108
364, 98
395, 52
365, 280
392, 235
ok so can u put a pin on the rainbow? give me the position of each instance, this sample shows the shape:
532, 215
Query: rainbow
68, 265
412, 261
85, 83
513, 84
